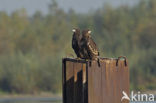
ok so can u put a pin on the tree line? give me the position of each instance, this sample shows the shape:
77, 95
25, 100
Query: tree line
31, 47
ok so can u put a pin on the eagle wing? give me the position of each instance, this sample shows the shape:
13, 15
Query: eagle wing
75, 45
92, 48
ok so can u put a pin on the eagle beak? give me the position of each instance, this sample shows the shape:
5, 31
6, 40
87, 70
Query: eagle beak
89, 31
74, 30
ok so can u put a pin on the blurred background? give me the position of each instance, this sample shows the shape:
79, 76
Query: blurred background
36, 34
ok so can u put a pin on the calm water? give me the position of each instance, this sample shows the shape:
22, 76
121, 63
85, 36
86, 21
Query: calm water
40, 100
31, 100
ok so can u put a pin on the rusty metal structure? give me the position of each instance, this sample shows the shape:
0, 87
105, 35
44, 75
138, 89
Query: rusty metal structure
87, 82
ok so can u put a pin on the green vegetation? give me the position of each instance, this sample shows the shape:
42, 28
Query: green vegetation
31, 48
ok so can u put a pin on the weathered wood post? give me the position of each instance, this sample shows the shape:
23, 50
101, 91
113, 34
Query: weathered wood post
88, 83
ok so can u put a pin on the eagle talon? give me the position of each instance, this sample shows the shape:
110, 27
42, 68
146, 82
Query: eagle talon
99, 64
78, 58
90, 63
86, 60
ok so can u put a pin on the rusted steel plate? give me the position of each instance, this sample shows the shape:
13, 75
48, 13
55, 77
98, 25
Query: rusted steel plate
112, 81
69, 82
90, 86
125, 73
94, 83
108, 81
78, 85
83, 83
74, 81
63, 80
120, 82
104, 77
115, 81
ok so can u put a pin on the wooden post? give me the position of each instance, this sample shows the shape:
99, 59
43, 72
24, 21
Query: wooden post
85, 82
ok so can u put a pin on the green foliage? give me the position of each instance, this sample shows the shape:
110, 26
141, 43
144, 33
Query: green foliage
31, 48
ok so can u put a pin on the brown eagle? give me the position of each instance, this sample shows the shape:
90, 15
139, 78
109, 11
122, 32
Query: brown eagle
89, 48
76, 42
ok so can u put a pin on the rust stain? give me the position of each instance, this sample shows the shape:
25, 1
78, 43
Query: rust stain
93, 84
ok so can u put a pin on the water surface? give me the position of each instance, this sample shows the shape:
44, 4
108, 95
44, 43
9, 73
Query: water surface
40, 100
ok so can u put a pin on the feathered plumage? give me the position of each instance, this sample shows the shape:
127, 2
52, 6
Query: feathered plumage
89, 48
76, 42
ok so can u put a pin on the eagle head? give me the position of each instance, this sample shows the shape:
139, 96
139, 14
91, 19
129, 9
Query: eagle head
86, 33
76, 31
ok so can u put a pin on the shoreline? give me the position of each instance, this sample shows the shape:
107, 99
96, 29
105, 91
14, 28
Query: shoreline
36, 95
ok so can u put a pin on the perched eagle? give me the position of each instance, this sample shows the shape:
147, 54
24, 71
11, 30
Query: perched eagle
76, 42
89, 48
